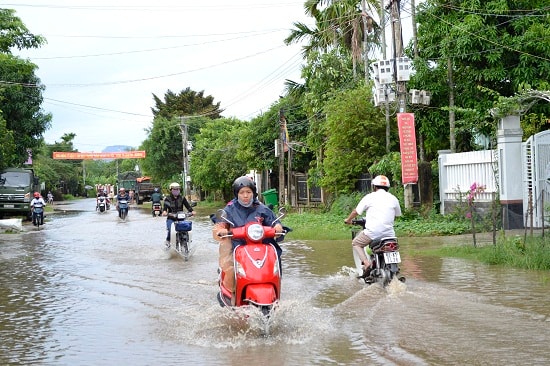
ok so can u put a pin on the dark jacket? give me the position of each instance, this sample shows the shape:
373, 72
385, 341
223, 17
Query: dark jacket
240, 215
174, 204
156, 197
121, 197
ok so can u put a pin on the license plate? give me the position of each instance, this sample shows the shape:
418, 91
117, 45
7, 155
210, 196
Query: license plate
392, 257
9, 206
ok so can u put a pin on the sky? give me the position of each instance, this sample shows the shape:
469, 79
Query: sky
104, 60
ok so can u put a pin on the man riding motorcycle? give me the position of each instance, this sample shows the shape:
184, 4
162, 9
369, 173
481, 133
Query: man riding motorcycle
156, 197
121, 196
381, 208
37, 202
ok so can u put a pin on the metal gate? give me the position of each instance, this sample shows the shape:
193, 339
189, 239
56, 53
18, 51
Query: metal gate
536, 178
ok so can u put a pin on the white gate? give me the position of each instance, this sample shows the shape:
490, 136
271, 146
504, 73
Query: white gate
458, 171
536, 178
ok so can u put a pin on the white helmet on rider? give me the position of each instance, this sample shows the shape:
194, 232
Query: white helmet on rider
174, 186
381, 181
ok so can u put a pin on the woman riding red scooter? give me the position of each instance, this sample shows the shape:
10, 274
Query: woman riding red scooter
243, 216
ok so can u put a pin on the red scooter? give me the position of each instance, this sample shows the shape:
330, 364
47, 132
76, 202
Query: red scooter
256, 266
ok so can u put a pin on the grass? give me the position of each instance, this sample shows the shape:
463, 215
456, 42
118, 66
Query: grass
531, 254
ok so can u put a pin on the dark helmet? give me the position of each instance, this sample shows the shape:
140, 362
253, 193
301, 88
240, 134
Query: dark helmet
156, 190
244, 182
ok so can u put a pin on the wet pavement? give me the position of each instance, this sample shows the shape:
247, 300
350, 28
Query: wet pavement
90, 289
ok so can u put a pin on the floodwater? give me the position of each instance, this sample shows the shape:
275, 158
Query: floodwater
89, 289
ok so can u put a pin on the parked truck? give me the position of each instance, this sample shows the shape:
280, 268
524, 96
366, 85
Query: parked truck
17, 186
141, 187
144, 190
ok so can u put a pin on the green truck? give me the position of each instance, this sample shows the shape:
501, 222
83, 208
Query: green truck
17, 186
141, 186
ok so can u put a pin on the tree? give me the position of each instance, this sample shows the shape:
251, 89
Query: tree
338, 24
7, 145
15, 34
164, 143
353, 131
214, 159
186, 103
54, 172
164, 149
22, 120
489, 50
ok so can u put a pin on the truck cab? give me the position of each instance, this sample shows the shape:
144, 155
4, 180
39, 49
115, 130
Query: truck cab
17, 186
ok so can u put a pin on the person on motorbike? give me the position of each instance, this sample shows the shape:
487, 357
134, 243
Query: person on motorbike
102, 193
50, 197
156, 197
37, 201
122, 195
173, 203
244, 208
381, 208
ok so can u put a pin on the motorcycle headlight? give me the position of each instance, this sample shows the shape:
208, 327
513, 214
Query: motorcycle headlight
181, 216
255, 232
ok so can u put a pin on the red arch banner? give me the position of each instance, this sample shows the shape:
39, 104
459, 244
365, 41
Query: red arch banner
61, 155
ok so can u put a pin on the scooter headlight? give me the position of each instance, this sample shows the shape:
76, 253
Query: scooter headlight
255, 232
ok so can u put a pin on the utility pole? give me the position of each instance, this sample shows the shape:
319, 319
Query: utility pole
398, 52
401, 86
386, 96
282, 123
185, 172
365, 41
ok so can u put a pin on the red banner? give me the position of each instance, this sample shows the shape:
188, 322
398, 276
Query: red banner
60, 155
407, 139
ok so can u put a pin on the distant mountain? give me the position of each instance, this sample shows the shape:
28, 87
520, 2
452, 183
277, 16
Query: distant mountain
117, 148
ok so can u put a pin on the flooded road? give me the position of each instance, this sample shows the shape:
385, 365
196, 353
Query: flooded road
89, 289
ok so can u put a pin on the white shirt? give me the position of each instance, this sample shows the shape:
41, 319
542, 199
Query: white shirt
381, 209
38, 202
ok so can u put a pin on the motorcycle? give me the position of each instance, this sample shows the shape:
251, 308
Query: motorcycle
102, 204
156, 209
384, 256
38, 216
182, 227
123, 209
257, 267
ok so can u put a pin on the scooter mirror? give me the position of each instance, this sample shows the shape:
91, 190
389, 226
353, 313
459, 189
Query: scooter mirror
222, 215
282, 213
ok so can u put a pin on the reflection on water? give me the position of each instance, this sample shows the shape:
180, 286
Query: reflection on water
90, 289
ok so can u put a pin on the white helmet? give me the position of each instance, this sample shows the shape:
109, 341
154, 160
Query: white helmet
175, 185
381, 181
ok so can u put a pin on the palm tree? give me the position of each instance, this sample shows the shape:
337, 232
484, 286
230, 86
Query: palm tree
338, 23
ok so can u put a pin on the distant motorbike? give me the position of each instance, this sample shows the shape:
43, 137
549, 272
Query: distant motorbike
385, 258
183, 228
156, 209
123, 209
102, 204
257, 267
38, 216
